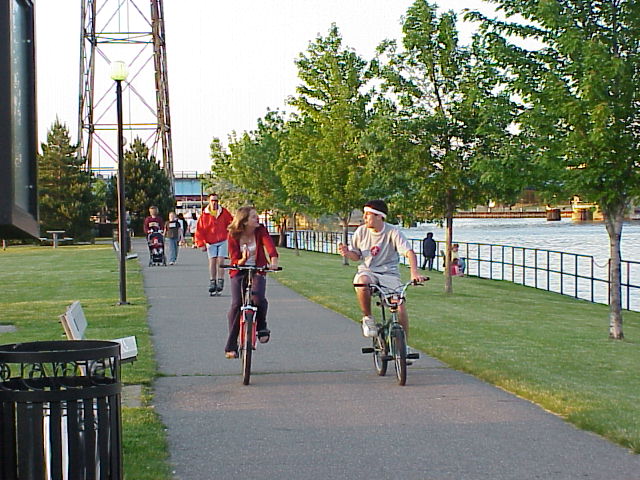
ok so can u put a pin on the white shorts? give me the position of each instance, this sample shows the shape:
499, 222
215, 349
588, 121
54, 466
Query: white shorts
217, 249
390, 282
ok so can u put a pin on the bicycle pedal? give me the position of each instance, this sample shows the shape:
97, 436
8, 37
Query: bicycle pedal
413, 355
368, 350
386, 358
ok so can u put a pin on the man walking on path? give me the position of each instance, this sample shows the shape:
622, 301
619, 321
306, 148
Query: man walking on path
211, 236
428, 251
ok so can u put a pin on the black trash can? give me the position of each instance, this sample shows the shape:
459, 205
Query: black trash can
60, 410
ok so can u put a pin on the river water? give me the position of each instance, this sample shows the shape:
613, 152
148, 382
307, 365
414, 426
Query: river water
559, 272
566, 257
587, 238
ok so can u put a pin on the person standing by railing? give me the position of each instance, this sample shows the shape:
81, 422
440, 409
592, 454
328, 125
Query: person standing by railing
428, 251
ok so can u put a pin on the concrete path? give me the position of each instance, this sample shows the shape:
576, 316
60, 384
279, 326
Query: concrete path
316, 410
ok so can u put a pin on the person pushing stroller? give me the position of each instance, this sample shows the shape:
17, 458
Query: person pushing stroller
153, 228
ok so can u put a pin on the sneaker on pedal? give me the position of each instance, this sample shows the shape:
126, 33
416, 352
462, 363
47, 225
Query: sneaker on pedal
220, 285
411, 356
369, 328
212, 286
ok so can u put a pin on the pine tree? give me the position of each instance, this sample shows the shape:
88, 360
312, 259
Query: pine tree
64, 187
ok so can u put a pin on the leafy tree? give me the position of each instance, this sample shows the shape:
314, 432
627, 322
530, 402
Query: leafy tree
441, 124
324, 146
253, 161
64, 186
146, 184
581, 104
249, 171
296, 176
218, 180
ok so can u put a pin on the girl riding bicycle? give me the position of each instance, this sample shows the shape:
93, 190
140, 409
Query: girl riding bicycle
249, 243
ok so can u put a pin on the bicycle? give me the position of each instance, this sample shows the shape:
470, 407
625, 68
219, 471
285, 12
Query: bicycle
247, 334
390, 342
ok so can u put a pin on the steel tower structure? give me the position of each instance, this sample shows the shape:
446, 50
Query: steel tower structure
123, 30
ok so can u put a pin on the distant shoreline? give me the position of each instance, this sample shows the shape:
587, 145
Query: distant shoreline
508, 214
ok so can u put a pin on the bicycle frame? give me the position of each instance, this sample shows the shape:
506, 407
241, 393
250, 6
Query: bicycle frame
247, 321
248, 313
390, 342
389, 299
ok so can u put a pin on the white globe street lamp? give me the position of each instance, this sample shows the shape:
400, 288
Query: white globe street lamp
119, 73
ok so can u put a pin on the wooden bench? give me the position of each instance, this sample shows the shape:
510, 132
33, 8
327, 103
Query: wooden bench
75, 323
49, 241
116, 249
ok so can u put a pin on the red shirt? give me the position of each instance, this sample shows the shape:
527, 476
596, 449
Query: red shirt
263, 241
153, 224
212, 229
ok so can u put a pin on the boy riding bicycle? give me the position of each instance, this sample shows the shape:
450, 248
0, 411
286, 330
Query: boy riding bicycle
379, 246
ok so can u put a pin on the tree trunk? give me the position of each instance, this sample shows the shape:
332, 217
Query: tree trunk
345, 235
295, 234
448, 284
282, 240
614, 218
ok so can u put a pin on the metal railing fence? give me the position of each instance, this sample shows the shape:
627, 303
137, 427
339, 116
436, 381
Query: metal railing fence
573, 274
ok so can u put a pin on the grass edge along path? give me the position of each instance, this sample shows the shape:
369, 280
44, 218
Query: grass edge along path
545, 347
39, 283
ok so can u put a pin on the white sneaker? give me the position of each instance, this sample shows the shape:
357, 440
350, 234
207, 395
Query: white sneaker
369, 328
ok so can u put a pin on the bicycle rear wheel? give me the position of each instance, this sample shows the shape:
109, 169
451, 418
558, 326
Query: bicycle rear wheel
380, 353
246, 349
399, 349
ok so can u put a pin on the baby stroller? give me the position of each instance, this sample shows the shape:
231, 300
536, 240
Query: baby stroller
155, 241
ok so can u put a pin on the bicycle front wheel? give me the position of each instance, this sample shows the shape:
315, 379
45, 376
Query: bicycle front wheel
380, 354
246, 349
399, 349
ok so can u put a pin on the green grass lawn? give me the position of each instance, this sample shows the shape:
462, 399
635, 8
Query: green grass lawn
39, 283
542, 346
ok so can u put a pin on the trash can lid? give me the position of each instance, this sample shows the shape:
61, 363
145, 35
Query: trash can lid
59, 350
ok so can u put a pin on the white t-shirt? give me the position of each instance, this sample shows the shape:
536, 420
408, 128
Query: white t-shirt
380, 251
191, 225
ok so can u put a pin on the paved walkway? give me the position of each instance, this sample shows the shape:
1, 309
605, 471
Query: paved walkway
316, 409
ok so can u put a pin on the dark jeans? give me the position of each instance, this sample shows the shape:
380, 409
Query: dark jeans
428, 261
259, 299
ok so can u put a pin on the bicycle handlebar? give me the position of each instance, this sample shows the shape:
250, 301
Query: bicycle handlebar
251, 268
389, 293
402, 287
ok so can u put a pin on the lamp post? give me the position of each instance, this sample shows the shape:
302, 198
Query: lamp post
119, 74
